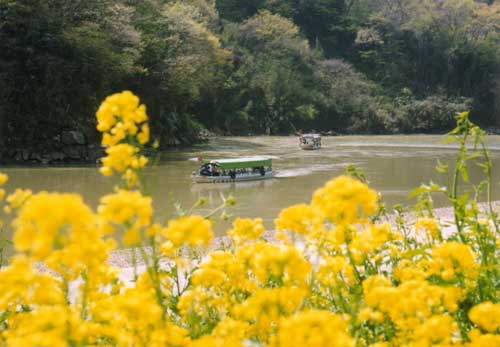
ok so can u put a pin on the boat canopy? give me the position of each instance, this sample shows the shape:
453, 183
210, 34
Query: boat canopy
240, 163
314, 136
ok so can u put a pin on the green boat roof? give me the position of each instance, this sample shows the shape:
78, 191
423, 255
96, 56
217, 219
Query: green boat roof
311, 135
240, 163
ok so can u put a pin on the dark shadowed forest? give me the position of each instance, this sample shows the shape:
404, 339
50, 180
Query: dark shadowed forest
247, 66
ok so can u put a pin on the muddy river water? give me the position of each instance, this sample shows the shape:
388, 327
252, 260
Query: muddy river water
393, 164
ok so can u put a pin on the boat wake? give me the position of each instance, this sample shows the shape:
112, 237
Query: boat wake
287, 173
293, 173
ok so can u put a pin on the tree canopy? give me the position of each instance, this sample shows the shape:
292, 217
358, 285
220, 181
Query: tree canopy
248, 66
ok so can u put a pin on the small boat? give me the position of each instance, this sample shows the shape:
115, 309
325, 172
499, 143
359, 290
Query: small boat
234, 170
310, 141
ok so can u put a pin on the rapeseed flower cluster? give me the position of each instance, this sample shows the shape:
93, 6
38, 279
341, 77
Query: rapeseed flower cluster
123, 121
246, 229
337, 273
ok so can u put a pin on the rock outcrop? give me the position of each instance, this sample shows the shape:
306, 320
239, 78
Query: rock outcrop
69, 146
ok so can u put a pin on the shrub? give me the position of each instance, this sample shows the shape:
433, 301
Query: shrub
432, 114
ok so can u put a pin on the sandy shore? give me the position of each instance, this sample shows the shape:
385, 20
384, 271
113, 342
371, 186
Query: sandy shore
123, 258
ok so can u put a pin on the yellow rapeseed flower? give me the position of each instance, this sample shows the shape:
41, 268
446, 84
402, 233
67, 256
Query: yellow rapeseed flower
18, 198
46, 326
122, 157
314, 328
276, 264
301, 219
224, 271
335, 271
47, 221
368, 314
245, 229
428, 225
3, 178
121, 108
126, 208
189, 230
369, 240
266, 308
22, 285
482, 340
452, 258
123, 123
486, 315
143, 136
345, 200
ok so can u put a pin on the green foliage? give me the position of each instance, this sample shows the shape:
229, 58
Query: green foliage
182, 58
433, 114
349, 101
238, 10
276, 72
448, 48
253, 66
55, 64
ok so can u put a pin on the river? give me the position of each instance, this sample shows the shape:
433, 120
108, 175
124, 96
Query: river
394, 165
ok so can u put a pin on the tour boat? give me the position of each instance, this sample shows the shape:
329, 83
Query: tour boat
310, 141
234, 170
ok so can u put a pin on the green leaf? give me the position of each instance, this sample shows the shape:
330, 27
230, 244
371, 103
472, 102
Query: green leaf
464, 172
441, 167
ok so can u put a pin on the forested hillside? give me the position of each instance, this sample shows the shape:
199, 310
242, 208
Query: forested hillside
247, 66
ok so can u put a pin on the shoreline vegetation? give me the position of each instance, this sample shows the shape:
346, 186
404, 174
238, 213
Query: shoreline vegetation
123, 258
76, 154
262, 67
130, 265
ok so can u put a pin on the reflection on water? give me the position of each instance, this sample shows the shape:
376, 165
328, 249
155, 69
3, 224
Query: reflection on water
230, 186
393, 164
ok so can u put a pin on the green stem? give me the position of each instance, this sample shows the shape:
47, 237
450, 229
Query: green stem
153, 271
488, 190
83, 314
214, 211
458, 165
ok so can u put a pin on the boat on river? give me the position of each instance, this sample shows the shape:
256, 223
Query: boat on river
234, 170
310, 141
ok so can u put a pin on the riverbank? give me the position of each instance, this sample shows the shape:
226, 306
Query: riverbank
123, 258
76, 147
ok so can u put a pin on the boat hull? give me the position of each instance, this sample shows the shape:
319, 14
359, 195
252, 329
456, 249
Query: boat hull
309, 147
238, 178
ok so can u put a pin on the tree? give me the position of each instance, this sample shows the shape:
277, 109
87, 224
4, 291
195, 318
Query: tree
238, 10
55, 63
434, 47
277, 64
181, 58
324, 22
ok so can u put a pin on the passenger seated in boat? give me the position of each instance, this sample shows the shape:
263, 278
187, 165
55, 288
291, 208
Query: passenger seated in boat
205, 170
215, 171
209, 170
262, 171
